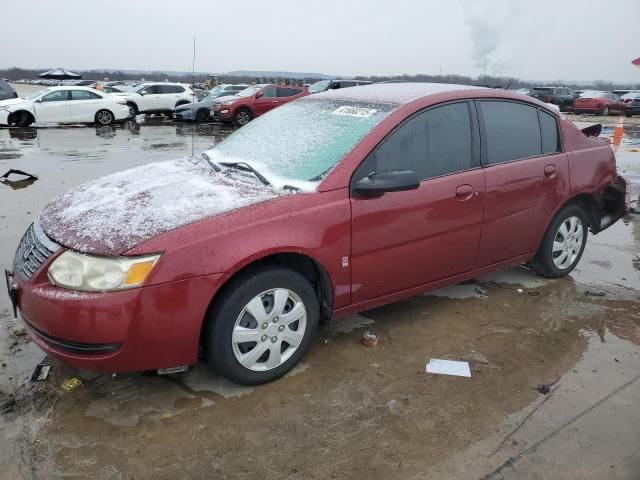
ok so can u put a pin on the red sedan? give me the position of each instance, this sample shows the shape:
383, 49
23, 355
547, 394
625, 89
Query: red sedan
599, 103
336, 203
253, 101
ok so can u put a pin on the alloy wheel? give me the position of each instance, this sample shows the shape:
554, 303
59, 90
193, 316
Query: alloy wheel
105, 117
243, 117
269, 329
567, 243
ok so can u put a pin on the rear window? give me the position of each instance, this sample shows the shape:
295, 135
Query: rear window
542, 90
511, 131
550, 134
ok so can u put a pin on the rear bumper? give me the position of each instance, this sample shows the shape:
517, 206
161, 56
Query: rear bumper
613, 203
586, 110
131, 330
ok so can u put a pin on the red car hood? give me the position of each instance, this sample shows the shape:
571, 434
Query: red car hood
115, 213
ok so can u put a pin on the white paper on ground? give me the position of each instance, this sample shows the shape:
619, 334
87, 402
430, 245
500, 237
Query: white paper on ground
448, 367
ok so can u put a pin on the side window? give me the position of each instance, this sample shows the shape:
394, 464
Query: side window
433, 143
179, 89
151, 90
511, 131
57, 96
269, 92
166, 89
287, 92
550, 133
83, 95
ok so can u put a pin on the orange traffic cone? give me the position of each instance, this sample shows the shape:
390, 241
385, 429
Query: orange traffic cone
618, 132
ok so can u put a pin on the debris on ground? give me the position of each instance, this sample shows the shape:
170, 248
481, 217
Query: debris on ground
18, 337
7, 403
545, 388
449, 367
589, 293
14, 171
71, 384
40, 373
369, 339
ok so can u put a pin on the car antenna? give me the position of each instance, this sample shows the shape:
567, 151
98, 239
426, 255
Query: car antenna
193, 92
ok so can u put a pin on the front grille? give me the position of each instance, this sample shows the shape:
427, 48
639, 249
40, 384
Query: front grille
34, 249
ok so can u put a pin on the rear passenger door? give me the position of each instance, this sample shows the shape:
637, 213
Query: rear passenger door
407, 239
527, 177
84, 105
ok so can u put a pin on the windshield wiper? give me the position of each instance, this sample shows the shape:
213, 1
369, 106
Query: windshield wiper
206, 158
247, 168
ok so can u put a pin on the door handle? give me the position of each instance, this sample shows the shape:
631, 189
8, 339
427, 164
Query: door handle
550, 171
464, 192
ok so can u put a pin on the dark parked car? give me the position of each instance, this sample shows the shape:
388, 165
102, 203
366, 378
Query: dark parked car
632, 104
599, 103
335, 203
324, 85
200, 111
6, 90
563, 97
253, 101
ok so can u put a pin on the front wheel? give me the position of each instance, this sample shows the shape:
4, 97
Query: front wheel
563, 244
242, 117
133, 109
104, 117
202, 115
605, 111
261, 326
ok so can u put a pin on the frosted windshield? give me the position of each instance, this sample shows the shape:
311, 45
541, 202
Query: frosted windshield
302, 140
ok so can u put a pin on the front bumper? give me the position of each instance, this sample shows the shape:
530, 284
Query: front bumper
121, 113
130, 330
183, 115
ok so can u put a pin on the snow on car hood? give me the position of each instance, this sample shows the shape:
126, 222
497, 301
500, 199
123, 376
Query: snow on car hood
113, 214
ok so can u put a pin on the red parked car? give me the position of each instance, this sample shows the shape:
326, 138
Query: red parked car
336, 203
253, 101
599, 103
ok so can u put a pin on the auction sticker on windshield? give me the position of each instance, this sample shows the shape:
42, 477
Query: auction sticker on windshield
354, 111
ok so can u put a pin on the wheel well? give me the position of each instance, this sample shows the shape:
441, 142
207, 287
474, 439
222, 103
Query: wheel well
20, 112
604, 208
182, 102
303, 264
243, 107
130, 102
589, 204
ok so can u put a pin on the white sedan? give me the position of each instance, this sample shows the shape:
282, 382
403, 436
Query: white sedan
64, 105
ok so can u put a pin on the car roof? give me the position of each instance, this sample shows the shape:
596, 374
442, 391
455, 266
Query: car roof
71, 87
394, 93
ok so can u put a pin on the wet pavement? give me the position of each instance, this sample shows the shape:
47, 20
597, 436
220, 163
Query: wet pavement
347, 411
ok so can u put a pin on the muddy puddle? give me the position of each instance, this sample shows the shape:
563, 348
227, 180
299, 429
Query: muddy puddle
347, 411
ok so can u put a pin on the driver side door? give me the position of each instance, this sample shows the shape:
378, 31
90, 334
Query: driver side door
266, 102
54, 107
411, 238
150, 99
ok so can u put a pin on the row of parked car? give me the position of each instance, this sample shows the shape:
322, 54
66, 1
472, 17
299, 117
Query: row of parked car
621, 102
117, 101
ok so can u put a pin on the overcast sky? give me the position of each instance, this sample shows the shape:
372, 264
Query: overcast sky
531, 39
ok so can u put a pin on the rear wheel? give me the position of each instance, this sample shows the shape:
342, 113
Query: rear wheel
563, 244
242, 117
104, 117
261, 326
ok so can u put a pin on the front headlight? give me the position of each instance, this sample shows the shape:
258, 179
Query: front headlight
89, 273
229, 102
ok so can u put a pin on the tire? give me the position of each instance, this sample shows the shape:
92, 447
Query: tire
273, 289
242, 117
628, 115
605, 112
20, 118
133, 109
565, 239
104, 118
202, 115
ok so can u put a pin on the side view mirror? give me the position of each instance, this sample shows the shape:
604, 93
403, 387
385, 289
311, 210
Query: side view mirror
259, 95
377, 183
142, 93
39, 100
